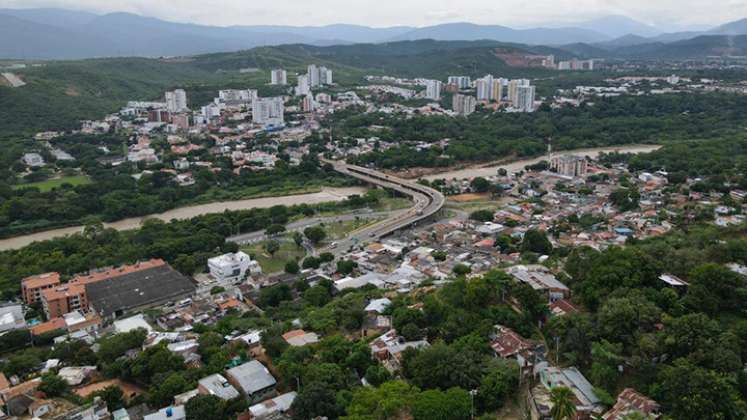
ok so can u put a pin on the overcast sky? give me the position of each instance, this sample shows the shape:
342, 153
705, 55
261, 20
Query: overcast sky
516, 13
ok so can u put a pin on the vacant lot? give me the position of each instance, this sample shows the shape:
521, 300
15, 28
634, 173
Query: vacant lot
51, 184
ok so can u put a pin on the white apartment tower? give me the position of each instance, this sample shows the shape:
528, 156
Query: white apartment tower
513, 89
433, 89
278, 77
268, 111
312, 72
525, 98
176, 101
303, 87
463, 104
484, 88
461, 82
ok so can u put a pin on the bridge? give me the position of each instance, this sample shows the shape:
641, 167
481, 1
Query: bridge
427, 202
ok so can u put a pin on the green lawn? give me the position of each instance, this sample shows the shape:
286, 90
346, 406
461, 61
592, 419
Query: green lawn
50, 184
338, 230
275, 263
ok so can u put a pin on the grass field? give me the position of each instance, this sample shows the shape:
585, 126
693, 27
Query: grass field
50, 184
338, 230
275, 263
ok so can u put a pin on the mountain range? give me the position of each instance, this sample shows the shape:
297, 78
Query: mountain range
66, 34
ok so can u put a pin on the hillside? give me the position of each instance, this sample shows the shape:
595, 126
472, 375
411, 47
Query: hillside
59, 94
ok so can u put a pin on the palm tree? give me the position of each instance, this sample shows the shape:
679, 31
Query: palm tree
563, 406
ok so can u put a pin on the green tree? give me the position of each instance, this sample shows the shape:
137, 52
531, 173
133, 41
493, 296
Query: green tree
688, 392
536, 241
53, 385
500, 381
298, 238
454, 404
291, 267
274, 229
482, 215
113, 396
204, 407
563, 403
315, 234
479, 184
346, 267
272, 246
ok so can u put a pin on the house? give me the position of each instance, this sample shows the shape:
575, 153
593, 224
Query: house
217, 385
11, 317
378, 306
538, 399
508, 344
299, 338
562, 307
388, 348
272, 407
252, 379
169, 413
629, 402
673, 281
541, 280
75, 375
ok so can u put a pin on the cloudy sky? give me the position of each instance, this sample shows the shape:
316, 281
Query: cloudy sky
517, 13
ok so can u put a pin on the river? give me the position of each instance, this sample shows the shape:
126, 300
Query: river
515, 166
325, 195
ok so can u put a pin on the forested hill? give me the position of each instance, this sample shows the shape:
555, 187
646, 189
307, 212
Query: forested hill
59, 94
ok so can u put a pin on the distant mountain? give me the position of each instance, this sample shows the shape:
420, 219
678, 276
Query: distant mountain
624, 41
617, 26
695, 48
339, 32
583, 50
738, 27
29, 40
54, 17
471, 32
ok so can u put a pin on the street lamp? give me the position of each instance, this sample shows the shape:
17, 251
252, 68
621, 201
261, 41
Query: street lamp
472, 394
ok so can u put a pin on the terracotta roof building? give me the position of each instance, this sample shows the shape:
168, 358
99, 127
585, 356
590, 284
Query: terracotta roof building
32, 286
630, 401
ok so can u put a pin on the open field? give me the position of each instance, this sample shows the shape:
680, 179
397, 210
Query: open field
53, 183
275, 263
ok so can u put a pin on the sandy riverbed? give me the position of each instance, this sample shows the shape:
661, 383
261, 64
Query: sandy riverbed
325, 195
519, 165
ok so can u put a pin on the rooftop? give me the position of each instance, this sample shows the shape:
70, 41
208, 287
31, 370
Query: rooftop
98, 275
218, 385
138, 288
41, 280
252, 377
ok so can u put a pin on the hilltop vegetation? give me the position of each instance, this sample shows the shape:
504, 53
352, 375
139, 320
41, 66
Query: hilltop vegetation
59, 94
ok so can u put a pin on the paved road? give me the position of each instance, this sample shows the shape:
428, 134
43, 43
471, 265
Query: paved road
258, 236
427, 203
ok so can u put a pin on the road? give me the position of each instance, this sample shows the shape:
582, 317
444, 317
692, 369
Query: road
427, 203
300, 225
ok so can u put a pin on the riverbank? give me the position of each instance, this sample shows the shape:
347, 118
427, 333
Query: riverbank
518, 165
187, 212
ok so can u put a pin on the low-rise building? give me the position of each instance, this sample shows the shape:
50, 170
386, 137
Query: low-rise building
252, 379
272, 407
232, 267
541, 280
631, 402
217, 385
32, 286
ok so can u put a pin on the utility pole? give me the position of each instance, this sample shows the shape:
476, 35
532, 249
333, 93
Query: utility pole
472, 394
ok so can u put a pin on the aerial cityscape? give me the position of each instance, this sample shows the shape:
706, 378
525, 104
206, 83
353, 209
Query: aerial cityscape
391, 210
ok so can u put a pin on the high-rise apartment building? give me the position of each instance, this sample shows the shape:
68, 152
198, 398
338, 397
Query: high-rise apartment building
496, 92
433, 89
278, 77
268, 111
484, 88
513, 89
176, 101
525, 98
312, 72
462, 82
303, 86
463, 104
